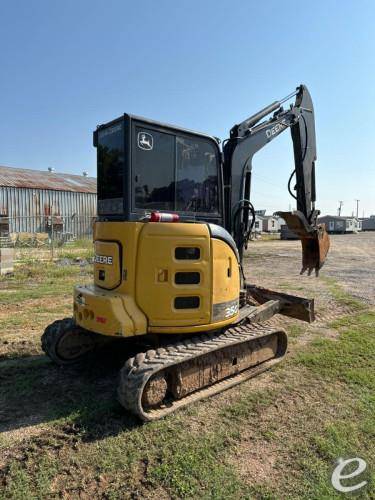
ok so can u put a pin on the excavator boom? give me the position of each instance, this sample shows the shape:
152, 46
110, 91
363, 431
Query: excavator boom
246, 139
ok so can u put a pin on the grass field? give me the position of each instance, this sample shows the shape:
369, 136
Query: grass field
63, 434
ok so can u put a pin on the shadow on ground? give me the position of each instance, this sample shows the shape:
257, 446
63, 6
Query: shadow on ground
33, 391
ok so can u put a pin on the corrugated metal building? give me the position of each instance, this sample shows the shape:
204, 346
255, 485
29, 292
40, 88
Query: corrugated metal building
32, 200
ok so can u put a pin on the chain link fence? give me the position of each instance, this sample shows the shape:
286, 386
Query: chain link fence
47, 236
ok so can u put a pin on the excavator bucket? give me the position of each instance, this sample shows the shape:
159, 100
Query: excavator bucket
315, 240
314, 250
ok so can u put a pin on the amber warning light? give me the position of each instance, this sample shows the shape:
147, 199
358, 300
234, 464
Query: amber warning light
163, 217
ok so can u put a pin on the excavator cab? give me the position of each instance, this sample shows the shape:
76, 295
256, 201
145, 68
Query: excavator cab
146, 166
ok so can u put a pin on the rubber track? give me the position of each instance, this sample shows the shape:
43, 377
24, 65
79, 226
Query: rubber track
138, 370
52, 335
55, 332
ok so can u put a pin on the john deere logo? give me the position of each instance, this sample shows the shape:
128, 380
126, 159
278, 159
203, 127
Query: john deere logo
145, 141
103, 259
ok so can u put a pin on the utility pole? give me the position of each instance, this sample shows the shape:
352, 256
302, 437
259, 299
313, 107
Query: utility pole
339, 209
357, 206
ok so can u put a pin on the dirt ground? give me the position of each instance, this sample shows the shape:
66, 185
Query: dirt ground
350, 262
63, 434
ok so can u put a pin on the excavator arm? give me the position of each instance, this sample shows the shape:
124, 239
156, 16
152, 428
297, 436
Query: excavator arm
246, 139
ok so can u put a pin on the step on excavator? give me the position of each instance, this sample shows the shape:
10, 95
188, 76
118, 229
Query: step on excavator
174, 218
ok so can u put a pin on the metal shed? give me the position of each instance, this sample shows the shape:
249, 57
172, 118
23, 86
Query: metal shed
34, 200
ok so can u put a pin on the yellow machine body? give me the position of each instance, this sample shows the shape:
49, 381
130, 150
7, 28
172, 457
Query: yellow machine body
158, 278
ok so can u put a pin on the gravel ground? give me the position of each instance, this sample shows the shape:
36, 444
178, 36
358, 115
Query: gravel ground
350, 263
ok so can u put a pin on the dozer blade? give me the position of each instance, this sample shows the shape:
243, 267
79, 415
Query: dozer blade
314, 239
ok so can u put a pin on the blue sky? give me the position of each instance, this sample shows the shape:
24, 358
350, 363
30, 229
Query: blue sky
205, 65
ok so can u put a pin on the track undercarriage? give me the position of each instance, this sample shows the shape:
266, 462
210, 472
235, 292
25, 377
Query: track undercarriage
158, 381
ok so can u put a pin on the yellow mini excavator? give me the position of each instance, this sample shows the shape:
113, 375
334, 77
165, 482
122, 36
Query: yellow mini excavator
174, 217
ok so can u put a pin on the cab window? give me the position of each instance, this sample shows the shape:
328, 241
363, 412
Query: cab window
196, 176
174, 172
153, 170
110, 161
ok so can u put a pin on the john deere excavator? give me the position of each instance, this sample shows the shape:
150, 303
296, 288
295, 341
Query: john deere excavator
174, 217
